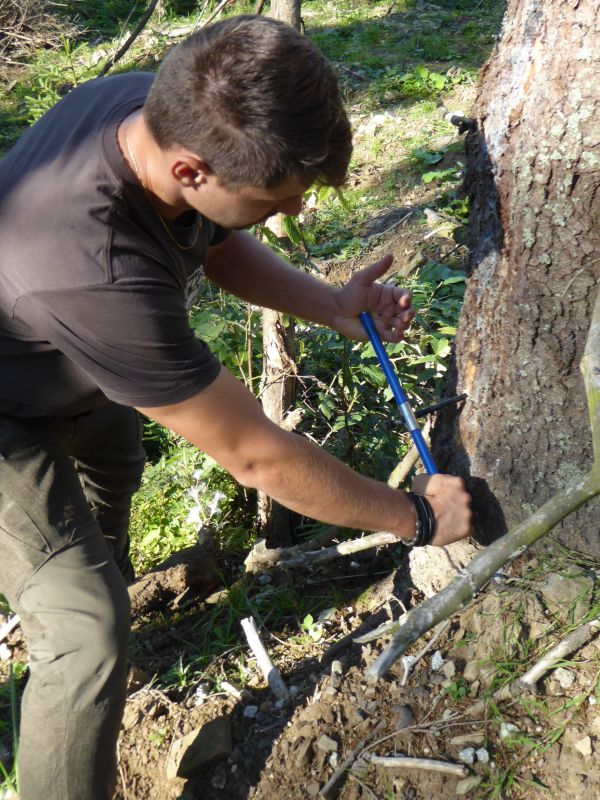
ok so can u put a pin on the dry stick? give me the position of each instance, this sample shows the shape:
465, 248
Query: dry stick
576, 639
134, 35
341, 549
267, 667
468, 582
420, 763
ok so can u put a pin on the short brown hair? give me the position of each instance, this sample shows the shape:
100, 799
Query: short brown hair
256, 100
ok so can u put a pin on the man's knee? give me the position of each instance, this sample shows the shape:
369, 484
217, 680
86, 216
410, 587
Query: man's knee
76, 615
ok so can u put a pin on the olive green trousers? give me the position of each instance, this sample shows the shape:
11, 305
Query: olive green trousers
65, 496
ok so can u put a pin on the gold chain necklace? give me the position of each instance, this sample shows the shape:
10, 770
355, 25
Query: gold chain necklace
158, 214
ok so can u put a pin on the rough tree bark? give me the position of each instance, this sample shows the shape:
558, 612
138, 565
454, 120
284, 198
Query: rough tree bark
534, 182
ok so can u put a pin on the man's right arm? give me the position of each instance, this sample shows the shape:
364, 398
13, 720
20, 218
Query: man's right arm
227, 423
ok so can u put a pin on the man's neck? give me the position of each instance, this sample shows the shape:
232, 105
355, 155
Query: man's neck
149, 165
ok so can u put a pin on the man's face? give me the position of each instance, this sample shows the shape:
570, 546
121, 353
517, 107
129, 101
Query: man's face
245, 206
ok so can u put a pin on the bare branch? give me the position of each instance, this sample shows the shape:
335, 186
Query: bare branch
430, 764
263, 659
574, 641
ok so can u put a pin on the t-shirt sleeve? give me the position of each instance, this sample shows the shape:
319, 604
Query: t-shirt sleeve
132, 338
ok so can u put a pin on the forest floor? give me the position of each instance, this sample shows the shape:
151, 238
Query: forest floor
192, 674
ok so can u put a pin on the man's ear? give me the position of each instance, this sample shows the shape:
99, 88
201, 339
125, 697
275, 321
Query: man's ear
189, 171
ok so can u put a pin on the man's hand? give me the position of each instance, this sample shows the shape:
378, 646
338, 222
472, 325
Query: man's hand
451, 505
390, 306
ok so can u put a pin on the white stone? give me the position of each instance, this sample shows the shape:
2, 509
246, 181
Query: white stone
437, 661
251, 711
507, 729
482, 755
564, 677
584, 746
467, 756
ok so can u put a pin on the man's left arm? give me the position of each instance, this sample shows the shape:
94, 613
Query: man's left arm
249, 269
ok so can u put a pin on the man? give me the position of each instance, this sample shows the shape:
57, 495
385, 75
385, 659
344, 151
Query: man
111, 208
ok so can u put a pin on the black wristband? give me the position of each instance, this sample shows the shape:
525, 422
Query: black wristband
425, 529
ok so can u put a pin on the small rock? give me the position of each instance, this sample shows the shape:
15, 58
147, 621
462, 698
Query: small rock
449, 669
482, 755
336, 668
564, 677
5, 652
250, 711
200, 748
437, 661
327, 744
294, 690
507, 729
471, 671
468, 784
304, 753
219, 779
333, 760
596, 726
330, 691
132, 716
584, 746
263, 580
467, 756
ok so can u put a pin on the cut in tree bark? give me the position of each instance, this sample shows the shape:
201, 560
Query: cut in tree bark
534, 184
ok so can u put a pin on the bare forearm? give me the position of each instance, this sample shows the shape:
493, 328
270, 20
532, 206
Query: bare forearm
308, 480
248, 269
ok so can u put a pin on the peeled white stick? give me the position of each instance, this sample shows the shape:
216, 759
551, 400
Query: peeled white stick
267, 667
420, 763
9, 626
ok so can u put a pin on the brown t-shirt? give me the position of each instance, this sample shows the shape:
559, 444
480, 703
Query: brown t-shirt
93, 293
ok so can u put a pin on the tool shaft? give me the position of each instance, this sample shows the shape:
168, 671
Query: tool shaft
399, 394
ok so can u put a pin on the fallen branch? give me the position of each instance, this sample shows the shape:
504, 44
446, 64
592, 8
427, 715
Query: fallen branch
574, 641
430, 764
476, 574
341, 549
263, 659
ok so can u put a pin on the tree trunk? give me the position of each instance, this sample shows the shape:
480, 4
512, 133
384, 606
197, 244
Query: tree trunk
287, 11
278, 384
279, 368
534, 182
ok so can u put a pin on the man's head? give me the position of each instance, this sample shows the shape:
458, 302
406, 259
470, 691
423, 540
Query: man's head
256, 101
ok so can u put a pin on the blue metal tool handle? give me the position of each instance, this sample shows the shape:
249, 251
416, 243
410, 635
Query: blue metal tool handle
399, 395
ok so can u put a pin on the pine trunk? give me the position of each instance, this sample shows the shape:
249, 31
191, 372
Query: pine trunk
534, 182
